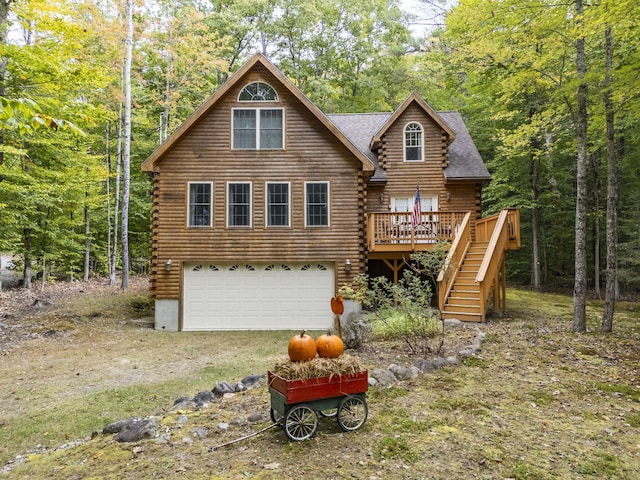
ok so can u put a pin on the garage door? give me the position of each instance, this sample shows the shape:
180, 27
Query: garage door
257, 296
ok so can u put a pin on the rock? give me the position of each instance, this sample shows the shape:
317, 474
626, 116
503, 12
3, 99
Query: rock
355, 330
223, 426
182, 420
203, 399
404, 373
187, 404
239, 387
372, 381
238, 422
467, 352
256, 417
120, 425
429, 365
451, 360
200, 432
138, 430
453, 322
383, 377
223, 387
251, 381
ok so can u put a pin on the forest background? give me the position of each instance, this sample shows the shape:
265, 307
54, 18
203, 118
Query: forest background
549, 90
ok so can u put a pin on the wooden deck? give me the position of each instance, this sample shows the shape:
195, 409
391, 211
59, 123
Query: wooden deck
474, 273
394, 232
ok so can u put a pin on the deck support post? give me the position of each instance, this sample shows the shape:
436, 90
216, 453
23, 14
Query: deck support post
395, 268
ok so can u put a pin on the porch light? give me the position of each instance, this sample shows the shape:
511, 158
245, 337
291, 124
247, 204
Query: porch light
347, 265
167, 265
448, 196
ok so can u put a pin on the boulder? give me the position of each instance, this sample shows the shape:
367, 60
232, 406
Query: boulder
138, 430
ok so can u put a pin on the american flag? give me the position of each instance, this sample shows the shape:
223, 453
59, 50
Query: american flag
417, 211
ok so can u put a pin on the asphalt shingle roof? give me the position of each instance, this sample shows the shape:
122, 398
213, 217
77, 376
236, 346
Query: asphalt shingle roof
465, 162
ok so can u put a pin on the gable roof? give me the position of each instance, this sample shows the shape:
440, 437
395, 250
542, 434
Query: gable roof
413, 98
149, 164
465, 162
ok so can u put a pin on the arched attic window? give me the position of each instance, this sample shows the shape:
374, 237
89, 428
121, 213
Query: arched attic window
413, 142
258, 92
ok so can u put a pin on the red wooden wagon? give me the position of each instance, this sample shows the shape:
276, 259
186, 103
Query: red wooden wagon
296, 403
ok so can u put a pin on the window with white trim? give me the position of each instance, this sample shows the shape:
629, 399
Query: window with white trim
258, 92
413, 142
239, 204
278, 204
316, 204
258, 128
200, 198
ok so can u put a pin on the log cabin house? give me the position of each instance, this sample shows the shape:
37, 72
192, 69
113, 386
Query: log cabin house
263, 206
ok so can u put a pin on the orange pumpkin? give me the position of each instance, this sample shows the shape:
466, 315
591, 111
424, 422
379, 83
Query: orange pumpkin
302, 348
329, 346
336, 305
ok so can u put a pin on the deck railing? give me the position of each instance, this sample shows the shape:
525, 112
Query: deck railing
502, 231
454, 258
394, 231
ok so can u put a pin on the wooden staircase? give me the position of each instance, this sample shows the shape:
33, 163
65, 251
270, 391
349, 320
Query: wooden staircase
463, 302
475, 269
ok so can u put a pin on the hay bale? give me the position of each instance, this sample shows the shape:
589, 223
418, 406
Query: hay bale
318, 367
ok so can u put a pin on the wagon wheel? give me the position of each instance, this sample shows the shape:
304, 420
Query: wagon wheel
329, 412
276, 417
300, 422
352, 412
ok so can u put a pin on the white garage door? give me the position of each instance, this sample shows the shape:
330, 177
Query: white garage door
257, 296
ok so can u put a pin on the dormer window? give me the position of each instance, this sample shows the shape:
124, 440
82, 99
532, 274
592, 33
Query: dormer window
258, 92
413, 143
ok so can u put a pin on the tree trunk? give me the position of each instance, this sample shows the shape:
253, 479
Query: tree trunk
87, 241
535, 224
580, 281
595, 166
612, 192
127, 149
108, 189
26, 275
116, 206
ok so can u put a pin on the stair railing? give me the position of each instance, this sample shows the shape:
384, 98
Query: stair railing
498, 225
457, 252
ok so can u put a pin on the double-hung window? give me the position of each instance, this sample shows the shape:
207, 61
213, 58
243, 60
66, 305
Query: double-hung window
258, 128
413, 142
278, 201
200, 196
316, 204
239, 204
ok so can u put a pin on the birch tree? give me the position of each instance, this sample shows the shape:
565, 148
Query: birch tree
126, 152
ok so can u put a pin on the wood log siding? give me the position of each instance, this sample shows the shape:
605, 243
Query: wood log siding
204, 155
402, 177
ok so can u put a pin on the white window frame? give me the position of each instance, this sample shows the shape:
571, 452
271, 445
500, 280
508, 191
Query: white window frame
428, 203
406, 145
189, 205
267, 204
257, 130
306, 204
228, 205
276, 99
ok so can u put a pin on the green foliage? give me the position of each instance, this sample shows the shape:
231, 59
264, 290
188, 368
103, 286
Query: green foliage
403, 310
